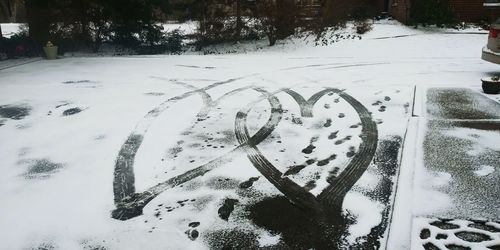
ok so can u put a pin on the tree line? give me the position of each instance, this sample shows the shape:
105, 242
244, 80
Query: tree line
137, 24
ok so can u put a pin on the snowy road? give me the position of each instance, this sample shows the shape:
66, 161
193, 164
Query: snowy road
294, 147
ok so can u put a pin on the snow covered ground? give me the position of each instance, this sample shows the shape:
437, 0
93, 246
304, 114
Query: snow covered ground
9, 29
205, 152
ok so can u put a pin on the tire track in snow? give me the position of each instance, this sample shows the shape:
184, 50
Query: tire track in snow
333, 195
290, 189
306, 106
132, 204
124, 180
328, 205
208, 102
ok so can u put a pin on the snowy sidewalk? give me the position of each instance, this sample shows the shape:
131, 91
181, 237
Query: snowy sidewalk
5, 64
456, 188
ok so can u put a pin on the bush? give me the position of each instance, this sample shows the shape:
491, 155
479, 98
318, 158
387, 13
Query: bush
277, 18
141, 38
68, 37
171, 42
174, 41
215, 24
18, 45
76, 25
225, 23
363, 26
135, 35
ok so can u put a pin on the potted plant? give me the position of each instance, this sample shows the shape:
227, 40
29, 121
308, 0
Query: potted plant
491, 85
50, 51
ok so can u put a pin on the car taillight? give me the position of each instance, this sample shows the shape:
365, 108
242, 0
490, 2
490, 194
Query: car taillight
493, 33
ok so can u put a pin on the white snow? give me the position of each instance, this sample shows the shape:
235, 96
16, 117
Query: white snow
186, 28
427, 196
9, 29
481, 140
484, 170
366, 213
267, 239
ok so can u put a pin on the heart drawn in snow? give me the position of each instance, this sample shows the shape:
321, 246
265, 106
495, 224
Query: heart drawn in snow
325, 206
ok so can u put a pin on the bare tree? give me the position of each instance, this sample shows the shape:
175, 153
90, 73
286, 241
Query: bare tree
37, 12
6, 11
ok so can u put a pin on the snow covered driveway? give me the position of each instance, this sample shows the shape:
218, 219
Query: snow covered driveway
198, 152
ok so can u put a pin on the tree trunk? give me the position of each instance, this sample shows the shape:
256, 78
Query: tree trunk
272, 39
37, 12
238, 20
9, 9
5, 10
81, 12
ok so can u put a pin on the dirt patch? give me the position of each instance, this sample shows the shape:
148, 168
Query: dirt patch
295, 169
232, 239
309, 149
79, 81
227, 208
155, 93
425, 234
333, 135
221, 183
445, 225
248, 183
328, 123
41, 168
44, 246
192, 234
472, 236
351, 152
430, 246
481, 225
297, 228
460, 103
72, 111
325, 162
14, 112
92, 245
347, 138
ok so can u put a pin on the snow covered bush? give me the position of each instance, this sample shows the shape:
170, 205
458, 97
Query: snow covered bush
171, 42
220, 23
363, 26
277, 18
174, 41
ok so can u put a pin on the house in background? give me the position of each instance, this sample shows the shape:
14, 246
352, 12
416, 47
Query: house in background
463, 10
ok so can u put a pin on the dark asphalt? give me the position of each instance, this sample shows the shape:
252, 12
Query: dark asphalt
461, 119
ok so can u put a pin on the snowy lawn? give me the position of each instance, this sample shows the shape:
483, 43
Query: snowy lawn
206, 152
9, 29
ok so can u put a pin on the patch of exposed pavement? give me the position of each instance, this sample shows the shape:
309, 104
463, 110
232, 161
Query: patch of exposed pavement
40, 168
15, 112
